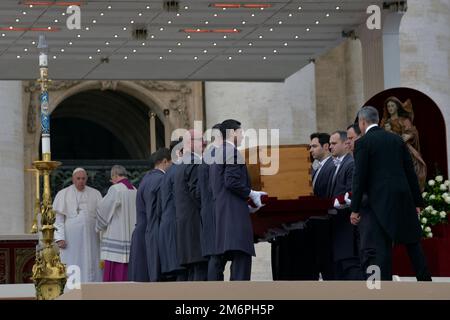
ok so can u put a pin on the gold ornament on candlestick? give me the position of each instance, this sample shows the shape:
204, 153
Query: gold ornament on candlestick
49, 274
37, 201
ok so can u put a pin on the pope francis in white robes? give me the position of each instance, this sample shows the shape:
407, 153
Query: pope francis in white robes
76, 208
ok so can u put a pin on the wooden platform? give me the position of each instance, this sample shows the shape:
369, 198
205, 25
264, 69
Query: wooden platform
264, 290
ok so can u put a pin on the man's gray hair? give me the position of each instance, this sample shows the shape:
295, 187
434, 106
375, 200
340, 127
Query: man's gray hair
370, 114
118, 170
342, 135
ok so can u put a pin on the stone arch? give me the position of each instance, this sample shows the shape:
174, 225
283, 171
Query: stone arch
62, 91
183, 99
175, 103
106, 124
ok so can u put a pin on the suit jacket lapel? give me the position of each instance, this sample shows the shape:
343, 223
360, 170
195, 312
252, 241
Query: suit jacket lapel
335, 176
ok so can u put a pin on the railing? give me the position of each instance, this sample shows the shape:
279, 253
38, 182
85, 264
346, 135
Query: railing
99, 173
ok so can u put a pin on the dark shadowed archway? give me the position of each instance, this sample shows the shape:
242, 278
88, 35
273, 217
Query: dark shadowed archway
96, 129
99, 124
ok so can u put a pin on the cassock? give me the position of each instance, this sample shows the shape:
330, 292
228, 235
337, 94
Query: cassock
75, 222
167, 234
116, 218
187, 205
345, 237
144, 260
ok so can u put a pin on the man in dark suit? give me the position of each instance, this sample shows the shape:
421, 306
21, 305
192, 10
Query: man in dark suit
230, 185
312, 244
144, 253
208, 233
345, 236
187, 208
366, 242
167, 244
384, 170
319, 231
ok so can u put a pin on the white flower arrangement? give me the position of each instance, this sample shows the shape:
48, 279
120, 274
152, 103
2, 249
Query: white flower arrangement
437, 205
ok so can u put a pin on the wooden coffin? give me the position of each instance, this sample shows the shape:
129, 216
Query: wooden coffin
293, 177
289, 189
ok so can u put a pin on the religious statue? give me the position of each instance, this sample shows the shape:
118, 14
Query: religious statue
398, 118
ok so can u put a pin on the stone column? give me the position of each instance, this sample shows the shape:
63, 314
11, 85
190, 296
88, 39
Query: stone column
425, 53
354, 84
381, 51
372, 60
339, 86
391, 49
167, 128
12, 213
152, 132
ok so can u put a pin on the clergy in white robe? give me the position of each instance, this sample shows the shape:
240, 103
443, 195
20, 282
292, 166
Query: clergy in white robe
76, 209
116, 218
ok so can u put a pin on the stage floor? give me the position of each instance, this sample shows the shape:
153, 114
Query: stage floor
406, 289
259, 290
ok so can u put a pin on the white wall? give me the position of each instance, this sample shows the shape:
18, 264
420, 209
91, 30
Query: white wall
11, 159
425, 53
288, 106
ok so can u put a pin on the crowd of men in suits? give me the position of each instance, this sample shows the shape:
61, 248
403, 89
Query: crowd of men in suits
374, 169
193, 214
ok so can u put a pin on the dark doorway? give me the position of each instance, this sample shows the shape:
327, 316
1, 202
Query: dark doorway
97, 125
84, 139
96, 129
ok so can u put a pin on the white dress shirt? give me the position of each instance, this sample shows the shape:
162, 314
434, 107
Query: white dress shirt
321, 164
370, 127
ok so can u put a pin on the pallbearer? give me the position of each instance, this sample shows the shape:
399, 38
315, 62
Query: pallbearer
187, 204
144, 258
231, 188
208, 234
167, 235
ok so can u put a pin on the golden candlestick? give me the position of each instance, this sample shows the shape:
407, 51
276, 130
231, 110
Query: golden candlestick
37, 201
49, 274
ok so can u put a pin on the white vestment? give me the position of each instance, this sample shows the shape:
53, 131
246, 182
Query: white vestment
75, 223
116, 217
